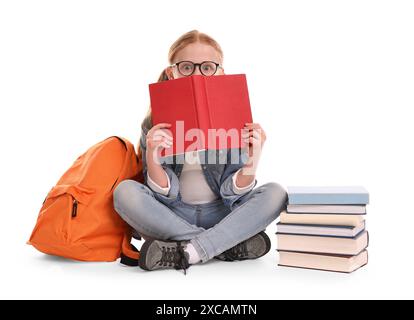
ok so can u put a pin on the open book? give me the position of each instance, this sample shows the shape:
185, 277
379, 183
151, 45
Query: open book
206, 112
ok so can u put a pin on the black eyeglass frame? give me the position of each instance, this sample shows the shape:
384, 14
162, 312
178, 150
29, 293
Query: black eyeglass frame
218, 65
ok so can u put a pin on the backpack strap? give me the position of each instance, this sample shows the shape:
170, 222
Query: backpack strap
129, 254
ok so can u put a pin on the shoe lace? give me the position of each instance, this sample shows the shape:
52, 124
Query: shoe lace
238, 251
174, 257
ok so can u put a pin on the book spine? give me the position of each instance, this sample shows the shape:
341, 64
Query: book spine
326, 270
316, 225
323, 235
203, 116
331, 235
195, 99
347, 246
340, 199
327, 209
323, 253
195, 92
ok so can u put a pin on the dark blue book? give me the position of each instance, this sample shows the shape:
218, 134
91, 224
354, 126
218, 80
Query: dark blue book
352, 195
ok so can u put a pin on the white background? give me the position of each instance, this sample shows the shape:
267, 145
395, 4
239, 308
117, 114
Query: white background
331, 83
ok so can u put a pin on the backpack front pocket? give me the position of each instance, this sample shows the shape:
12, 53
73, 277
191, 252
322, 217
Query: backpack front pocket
63, 204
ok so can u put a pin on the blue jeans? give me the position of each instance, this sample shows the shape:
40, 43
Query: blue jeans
211, 227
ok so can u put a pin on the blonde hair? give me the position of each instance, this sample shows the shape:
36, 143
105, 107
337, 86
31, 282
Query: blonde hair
186, 39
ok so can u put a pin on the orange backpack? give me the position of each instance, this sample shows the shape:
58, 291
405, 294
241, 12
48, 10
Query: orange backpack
77, 219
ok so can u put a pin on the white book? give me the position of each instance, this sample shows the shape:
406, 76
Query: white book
322, 244
337, 263
334, 209
324, 219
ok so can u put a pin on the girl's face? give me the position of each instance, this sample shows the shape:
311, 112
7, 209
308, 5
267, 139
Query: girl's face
196, 52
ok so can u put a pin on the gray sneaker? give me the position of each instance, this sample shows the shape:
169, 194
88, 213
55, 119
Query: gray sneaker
252, 248
158, 254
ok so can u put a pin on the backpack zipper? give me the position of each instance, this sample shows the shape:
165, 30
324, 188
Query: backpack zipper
114, 184
74, 208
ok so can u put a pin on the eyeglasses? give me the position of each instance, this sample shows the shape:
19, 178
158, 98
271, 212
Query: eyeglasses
187, 68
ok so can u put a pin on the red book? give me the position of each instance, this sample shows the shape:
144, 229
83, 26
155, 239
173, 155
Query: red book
205, 112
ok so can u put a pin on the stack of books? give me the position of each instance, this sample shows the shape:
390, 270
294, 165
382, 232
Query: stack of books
324, 228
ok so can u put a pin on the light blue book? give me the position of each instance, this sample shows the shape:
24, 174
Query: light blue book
328, 195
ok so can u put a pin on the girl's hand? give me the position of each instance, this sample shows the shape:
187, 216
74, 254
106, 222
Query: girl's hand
159, 138
253, 135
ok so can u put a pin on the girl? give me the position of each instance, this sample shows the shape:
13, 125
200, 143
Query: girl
193, 210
